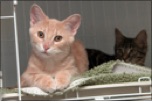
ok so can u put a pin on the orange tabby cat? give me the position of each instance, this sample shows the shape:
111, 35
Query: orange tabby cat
56, 56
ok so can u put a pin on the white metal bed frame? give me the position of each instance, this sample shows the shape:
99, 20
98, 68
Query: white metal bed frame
141, 90
135, 96
16, 45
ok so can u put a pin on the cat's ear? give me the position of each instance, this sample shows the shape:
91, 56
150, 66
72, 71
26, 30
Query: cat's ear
119, 36
36, 14
72, 23
141, 38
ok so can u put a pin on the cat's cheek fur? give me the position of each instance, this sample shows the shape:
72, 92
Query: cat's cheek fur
39, 47
71, 40
53, 50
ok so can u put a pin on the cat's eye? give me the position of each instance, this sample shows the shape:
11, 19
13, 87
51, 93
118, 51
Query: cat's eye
40, 34
58, 38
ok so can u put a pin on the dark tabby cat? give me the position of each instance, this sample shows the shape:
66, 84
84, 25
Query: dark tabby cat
131, 50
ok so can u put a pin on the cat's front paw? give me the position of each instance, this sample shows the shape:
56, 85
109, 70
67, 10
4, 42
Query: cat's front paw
48, 85
62, 82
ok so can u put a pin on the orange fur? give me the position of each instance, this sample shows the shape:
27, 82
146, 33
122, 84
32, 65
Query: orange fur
52, 64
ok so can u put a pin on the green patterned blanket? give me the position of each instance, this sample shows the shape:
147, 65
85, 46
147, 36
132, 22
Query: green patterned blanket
111, 72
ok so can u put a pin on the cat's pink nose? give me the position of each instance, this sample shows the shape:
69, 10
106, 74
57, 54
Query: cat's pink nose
46, 46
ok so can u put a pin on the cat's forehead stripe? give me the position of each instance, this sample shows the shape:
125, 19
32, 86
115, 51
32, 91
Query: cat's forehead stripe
51, 26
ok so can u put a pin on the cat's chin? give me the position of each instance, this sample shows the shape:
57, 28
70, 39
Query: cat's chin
42, 54
45, 54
